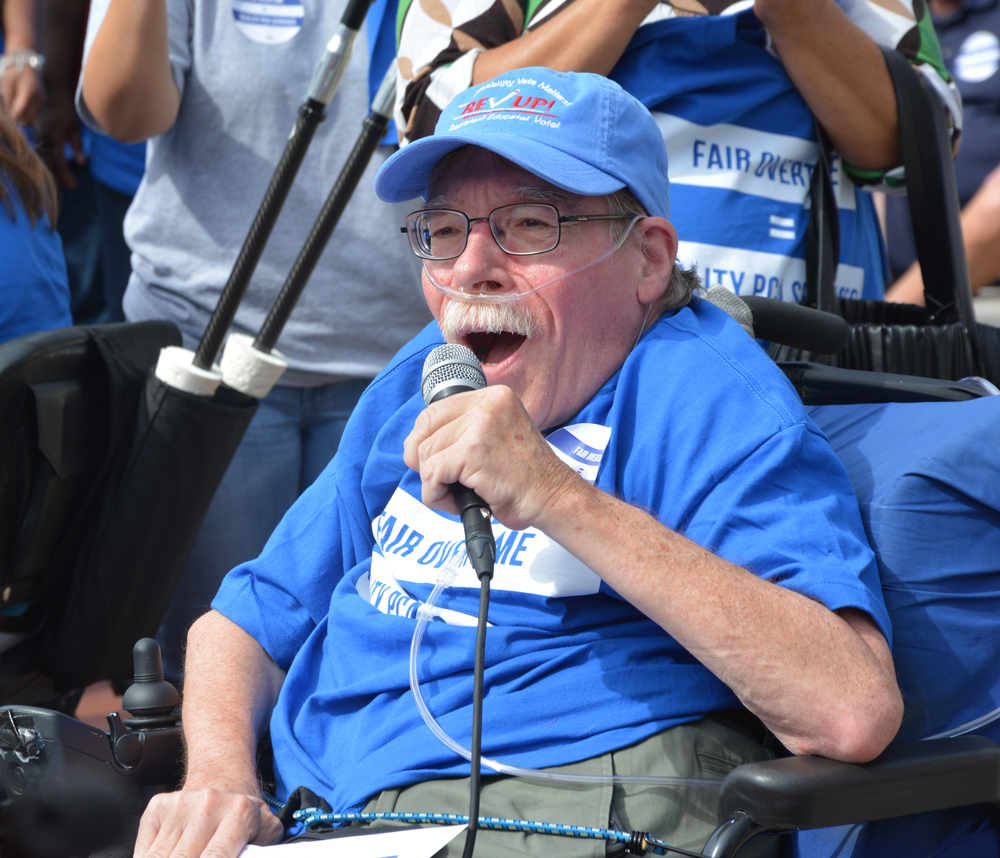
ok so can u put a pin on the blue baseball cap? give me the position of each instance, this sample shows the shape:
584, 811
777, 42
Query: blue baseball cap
581, 132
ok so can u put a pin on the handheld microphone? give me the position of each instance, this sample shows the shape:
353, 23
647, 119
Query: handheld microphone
451, 369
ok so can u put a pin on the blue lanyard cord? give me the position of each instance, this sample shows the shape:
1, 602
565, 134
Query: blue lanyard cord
637, 842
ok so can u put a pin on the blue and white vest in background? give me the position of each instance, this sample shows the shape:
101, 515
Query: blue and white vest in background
742, 147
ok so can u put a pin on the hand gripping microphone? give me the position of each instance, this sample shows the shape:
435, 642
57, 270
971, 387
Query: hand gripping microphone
451, 369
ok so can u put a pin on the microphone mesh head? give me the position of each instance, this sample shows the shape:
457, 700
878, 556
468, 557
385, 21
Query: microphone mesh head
448, 369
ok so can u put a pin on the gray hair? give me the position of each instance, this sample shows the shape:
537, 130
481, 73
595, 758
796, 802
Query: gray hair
683, 282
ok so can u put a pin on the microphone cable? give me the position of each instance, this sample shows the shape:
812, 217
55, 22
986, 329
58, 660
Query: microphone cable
448, 370
477, 714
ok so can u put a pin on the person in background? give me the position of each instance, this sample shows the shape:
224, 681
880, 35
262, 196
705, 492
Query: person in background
214, 86
969, 32
97, 175
34, 294
736, 88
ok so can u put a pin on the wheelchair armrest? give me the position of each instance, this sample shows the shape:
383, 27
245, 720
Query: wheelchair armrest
814, 792
39, 745
817, 384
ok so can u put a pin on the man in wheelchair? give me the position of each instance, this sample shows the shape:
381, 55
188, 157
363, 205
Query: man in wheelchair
677, 545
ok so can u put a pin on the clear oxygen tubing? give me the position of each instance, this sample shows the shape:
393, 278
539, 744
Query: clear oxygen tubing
424, 615
967, 727
462, 294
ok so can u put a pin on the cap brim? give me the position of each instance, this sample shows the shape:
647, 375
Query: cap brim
406, 174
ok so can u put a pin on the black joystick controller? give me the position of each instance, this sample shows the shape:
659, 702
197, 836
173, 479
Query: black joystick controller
133, 760
150, 699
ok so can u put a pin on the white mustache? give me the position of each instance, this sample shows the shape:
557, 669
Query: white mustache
461, 317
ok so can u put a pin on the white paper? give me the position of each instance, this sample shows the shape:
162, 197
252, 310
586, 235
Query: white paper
413, 843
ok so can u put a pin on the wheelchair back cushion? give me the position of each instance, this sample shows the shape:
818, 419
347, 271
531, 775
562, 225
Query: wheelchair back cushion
927, 477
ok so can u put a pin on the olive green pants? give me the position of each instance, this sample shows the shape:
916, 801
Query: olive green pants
682, 816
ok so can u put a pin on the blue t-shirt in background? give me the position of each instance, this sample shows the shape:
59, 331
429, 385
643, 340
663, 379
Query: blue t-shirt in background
34, 290
119, 166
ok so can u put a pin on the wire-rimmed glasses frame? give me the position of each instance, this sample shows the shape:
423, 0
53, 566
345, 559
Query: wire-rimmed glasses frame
519, 229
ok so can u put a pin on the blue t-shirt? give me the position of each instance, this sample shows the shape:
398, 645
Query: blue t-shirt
34, 290
698, 426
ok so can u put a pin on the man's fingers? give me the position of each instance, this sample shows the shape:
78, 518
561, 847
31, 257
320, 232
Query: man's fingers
430, 421
271, 829
167, 839
212, 836
210, 823
483, 439
436, 494
169, 825
475, 408
444, 458
249, 822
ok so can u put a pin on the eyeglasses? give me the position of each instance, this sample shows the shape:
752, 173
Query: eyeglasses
520, 230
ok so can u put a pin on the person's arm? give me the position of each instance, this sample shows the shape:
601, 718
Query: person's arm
230, 688
581, 35
62, 26
584, 36
838, 69
823, 682
840, 72
981, 235
20, 90
128, 83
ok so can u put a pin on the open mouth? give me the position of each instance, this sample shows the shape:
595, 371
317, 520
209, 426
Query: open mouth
493, 331
493, 348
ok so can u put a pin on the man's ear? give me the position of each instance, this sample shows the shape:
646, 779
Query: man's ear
659, 250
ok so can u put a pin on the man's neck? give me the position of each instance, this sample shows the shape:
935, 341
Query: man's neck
944, 8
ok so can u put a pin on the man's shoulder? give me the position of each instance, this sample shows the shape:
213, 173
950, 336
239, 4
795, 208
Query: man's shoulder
701, 356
